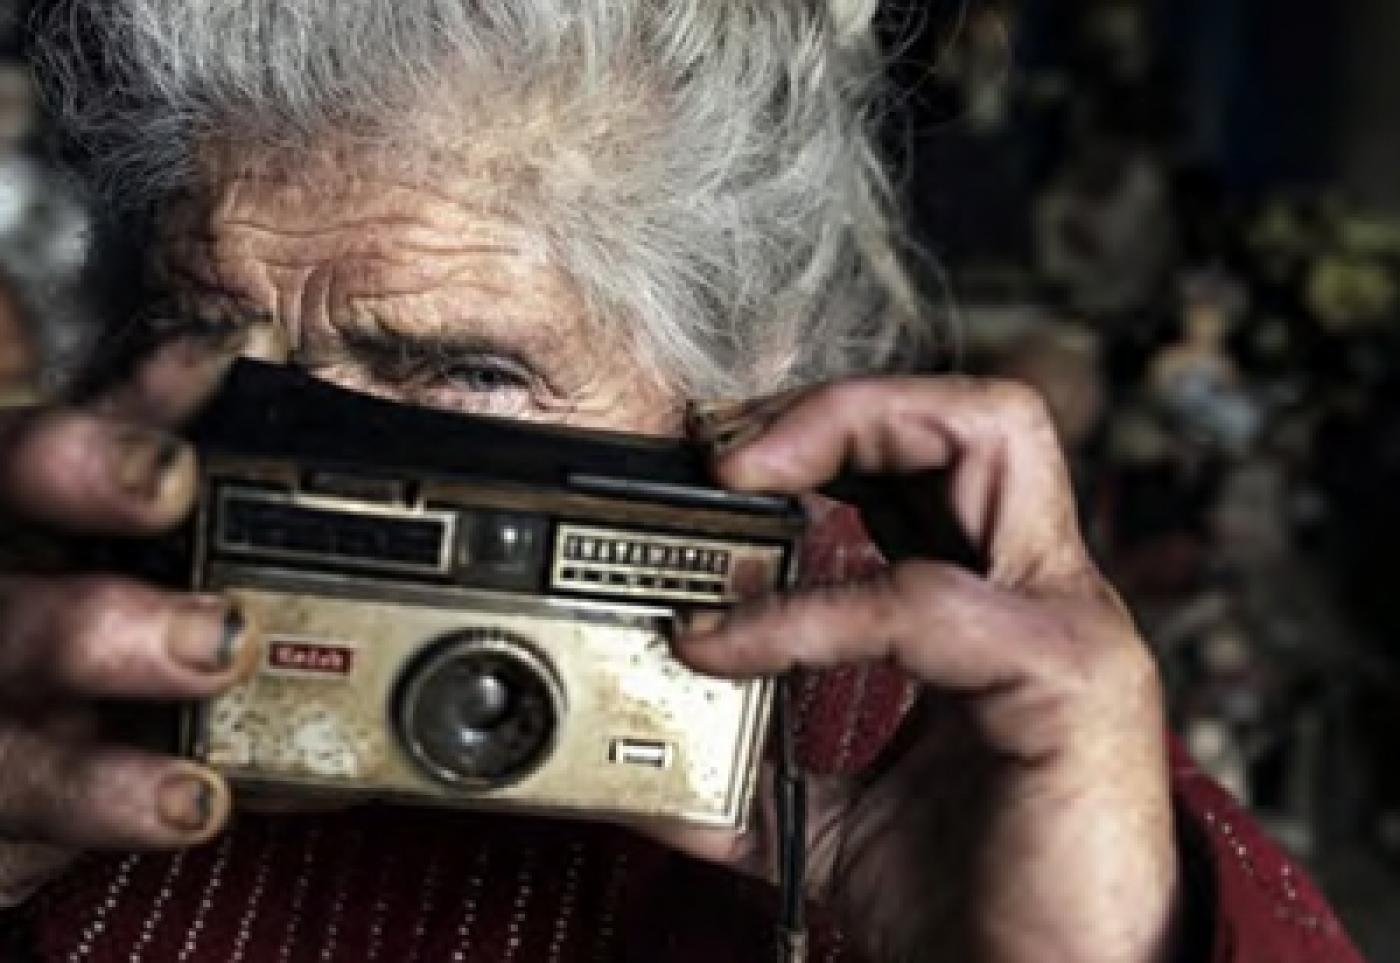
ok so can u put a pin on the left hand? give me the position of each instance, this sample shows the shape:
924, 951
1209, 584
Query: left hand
1026, 815
70, 645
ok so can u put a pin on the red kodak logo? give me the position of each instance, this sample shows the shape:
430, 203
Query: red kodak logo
319, 658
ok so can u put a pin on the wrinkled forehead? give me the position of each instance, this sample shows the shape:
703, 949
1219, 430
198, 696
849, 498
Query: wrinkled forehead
508, 177
384, 223
382, 173
352, 263
319, 191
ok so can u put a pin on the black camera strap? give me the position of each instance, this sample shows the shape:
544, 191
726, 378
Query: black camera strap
790, 799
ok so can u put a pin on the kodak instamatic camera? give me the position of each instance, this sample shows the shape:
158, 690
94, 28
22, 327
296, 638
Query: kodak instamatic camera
470, 612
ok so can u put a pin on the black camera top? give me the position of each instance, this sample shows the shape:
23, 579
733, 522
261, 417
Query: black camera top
281, 413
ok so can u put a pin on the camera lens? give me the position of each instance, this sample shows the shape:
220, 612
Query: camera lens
479, 710
483, 703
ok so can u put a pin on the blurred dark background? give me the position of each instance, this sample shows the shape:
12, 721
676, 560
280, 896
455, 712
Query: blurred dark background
1181, 220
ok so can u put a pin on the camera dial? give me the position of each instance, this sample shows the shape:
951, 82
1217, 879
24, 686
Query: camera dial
479, 709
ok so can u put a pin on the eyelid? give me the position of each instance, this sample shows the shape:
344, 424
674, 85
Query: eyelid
501, 364
390, 350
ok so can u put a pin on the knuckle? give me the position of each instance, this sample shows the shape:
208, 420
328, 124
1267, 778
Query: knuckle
96, 618
842, 395
1118, 669
921, 576
921, 581
29, 783
872, 596
1018, 402
890, 600
48, 440
55, 465
1060, 644
1131, 667
75, 469
885, 600
788, 618
856, 393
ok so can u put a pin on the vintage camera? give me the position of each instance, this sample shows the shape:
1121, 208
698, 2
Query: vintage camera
471, 612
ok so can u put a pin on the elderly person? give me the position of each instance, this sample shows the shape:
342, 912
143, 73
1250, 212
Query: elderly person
590, 214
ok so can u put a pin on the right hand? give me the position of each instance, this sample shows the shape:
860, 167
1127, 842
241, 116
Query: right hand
70, 643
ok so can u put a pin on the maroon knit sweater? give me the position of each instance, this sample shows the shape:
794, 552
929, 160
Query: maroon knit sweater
411, 885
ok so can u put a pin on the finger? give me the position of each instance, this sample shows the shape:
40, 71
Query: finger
82, 473
1010, 489
729, 424
177, 379
78, 795
101, 637
939, 623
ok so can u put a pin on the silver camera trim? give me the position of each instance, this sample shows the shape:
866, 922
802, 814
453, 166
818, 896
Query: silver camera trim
227, 492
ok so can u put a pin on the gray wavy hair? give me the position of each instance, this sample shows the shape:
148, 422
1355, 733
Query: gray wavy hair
705, 170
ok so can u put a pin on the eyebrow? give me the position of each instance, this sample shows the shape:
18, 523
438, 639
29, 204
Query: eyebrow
379, 342
384, 342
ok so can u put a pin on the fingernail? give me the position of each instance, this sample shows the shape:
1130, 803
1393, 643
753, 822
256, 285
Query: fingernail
216, 343
725, 426
706, 423
703, 417
268, 342
210, 636
703, 622
145, 459
738, 435
185, 803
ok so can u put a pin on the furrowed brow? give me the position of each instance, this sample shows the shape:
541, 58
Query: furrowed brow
383, 346
381, 341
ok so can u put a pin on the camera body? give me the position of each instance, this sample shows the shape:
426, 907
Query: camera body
468, 612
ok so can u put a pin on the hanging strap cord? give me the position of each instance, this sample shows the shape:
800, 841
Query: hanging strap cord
790, 798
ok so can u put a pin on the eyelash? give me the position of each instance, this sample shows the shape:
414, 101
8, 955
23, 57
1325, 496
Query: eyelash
482, 378
493, 375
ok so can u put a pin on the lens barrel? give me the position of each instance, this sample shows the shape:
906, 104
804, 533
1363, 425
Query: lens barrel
479, 710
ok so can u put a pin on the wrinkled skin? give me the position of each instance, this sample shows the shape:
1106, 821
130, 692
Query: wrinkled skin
1027, 816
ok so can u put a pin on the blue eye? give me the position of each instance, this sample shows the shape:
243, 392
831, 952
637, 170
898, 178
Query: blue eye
485, 376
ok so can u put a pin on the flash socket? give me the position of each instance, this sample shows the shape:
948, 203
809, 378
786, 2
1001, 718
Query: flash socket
641, 752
